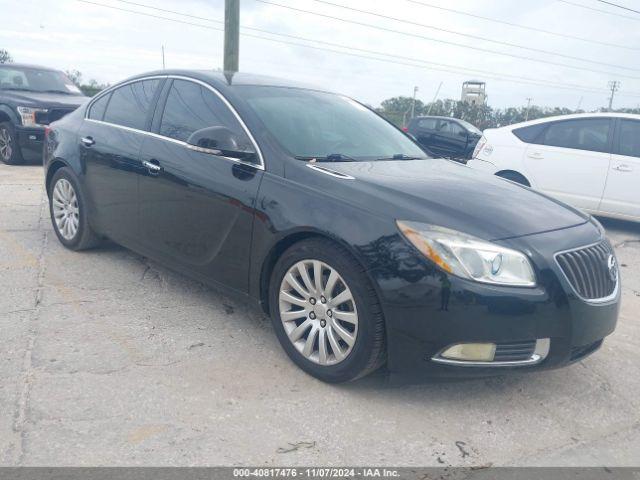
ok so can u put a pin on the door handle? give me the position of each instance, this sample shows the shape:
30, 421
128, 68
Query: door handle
153, 166
535, 155
88, 141
623, 168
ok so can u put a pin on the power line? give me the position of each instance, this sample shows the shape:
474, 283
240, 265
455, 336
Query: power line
619, 6
525, 27
599, 10
453, 32
422, 63
485, 50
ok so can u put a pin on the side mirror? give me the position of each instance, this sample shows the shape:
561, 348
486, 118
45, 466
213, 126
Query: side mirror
220, 141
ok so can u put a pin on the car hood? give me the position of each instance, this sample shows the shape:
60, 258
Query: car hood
42, 99
452, 195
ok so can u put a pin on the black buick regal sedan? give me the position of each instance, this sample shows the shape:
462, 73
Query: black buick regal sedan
363, 250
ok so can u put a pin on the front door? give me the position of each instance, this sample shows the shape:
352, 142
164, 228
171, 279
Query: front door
570, 160
110, 141
196, 208
622, 192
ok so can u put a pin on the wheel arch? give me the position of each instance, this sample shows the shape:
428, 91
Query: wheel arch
7, 115
53, 167
502, 173
289, 240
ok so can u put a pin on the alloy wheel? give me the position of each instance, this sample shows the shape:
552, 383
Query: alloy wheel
6, 148
318, 312
65, 209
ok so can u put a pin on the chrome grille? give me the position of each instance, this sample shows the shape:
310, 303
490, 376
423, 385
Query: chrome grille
587, 269
54, 114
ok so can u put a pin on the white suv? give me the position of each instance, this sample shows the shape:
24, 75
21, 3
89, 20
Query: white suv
589, 160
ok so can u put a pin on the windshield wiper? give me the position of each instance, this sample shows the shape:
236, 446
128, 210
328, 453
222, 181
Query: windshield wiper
402, 156
57, 91
332, 157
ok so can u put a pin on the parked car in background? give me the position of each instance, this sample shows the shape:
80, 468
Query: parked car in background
444, 136
31, 97
363, 250
591, 161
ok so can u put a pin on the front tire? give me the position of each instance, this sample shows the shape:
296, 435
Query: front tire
326, 313
68, 210
9, 149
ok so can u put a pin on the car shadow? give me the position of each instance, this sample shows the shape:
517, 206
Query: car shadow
620, 226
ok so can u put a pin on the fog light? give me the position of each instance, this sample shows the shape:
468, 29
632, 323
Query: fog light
471, 352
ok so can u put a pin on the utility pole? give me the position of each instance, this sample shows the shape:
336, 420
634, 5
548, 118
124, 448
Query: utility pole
231, 35
163, 66
435, 97
614, 86
413, 103
526, 116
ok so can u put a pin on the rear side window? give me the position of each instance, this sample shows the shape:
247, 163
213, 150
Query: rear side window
191, 107
130, 104
96, 112
589, 134
530, 134
428, 123
629, 138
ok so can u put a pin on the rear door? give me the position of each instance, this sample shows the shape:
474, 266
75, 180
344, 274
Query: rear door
110, 142
622, 191
196, 208
570, 160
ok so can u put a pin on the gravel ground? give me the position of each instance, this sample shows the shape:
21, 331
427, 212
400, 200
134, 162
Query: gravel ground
109, 359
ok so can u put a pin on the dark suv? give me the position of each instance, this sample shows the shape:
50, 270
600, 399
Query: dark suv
444, 136
31, 98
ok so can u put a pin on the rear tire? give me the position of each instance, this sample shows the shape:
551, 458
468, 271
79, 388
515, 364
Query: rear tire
10, 152
514, 177
353, 330
68, 210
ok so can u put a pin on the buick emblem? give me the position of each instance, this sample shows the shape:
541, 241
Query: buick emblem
612, 265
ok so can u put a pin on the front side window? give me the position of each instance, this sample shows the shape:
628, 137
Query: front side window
96, 112
629, 138
450, 128
308, 123
588, 134
191, 107
130, 104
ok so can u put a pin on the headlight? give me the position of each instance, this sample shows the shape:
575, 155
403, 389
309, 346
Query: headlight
28, 116
469, 257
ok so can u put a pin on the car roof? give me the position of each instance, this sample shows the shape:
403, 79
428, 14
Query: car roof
227, 80
27, 65
437, 117
570, 117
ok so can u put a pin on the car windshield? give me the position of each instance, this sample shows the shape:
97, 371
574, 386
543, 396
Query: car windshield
36, 80
311, 124
470, 127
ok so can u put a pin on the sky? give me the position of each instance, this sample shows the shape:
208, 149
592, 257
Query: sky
386, 57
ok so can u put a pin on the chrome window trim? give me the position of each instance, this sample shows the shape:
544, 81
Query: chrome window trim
595, 301
259, 166
328, 171
541, 351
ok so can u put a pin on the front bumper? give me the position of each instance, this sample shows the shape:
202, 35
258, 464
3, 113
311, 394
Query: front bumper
31, 141
427, 311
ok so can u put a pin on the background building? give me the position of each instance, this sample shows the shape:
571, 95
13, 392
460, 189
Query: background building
474, 92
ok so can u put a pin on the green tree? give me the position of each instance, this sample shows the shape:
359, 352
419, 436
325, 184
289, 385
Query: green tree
90, 88
5, 57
